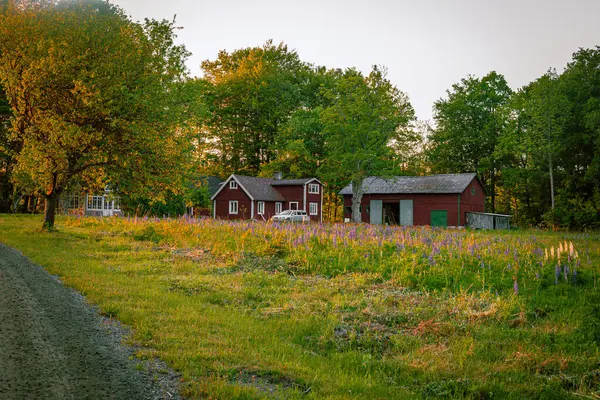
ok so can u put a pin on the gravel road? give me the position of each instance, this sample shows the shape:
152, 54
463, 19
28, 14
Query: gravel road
55, 346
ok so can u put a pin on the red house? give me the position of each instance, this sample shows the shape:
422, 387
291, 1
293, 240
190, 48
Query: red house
436, 200
248, 197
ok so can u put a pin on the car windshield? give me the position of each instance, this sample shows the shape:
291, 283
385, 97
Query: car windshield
286, 212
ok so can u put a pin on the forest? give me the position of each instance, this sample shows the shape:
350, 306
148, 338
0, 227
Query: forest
90, 98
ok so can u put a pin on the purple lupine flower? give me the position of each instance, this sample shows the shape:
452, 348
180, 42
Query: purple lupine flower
509, 267
556, 274
537, 275
516, 287
566, 273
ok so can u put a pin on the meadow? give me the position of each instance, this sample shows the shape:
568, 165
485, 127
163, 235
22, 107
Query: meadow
247, 310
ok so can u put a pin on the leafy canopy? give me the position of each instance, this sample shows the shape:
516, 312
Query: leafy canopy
94, 97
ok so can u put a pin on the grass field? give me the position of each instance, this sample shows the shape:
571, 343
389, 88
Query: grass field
253, 310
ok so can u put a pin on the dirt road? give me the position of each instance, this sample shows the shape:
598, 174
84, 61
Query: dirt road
55, 346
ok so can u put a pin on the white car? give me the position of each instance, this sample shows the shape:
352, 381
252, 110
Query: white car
291, 216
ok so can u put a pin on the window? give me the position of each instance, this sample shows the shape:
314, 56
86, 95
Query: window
314, 209
278, 208
72, 201
473, 191
233, 207
95, 202
313, 188
261, 207
233, 185
293, 205
117, 205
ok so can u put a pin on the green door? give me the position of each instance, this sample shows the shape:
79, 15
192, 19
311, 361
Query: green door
439, 218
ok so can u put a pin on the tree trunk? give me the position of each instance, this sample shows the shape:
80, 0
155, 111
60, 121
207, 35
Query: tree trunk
357, 195
550, 167
493, 179
50, 211
335, 207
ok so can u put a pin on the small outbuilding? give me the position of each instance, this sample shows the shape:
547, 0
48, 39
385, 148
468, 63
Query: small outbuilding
436, 200
478, 220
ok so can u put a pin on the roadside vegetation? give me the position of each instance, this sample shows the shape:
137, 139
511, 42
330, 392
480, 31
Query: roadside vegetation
254, 310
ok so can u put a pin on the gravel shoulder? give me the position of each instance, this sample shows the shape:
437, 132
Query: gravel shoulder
53, 345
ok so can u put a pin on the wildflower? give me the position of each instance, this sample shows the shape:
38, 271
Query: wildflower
566, 273
571, 248
556, 274
515, 285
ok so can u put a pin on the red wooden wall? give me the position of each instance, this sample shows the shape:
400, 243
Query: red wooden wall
423, 204
222, 203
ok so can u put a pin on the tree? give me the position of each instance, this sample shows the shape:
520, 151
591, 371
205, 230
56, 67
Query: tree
365, 116
468, 125
548, 110
94, 98
7, 150
249, 94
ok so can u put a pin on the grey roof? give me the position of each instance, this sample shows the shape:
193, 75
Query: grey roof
431, 184
260, 188
285, 182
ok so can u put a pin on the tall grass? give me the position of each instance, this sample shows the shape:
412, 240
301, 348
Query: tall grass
252, 310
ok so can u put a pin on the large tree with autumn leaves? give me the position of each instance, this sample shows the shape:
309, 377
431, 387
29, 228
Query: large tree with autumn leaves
94, 97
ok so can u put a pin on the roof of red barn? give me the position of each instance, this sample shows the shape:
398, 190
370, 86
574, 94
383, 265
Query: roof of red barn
431, 184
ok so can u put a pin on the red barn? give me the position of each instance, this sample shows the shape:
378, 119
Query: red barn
436, 200
248, 197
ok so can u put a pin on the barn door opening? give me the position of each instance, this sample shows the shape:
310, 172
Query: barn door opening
376, 211
406, 212
391, 214
439, 218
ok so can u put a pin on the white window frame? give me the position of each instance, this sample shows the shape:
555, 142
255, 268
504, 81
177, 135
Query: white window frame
278, 207
73, 201
260, 206
314, 208
233, 184
313, 188
293, 202
233, 207
95, 203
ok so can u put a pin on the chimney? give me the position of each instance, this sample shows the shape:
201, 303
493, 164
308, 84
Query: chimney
278, 175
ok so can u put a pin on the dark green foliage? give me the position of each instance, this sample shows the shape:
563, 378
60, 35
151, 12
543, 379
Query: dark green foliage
469, 123
172, 205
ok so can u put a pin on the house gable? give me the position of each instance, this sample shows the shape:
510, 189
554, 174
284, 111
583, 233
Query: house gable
226, 184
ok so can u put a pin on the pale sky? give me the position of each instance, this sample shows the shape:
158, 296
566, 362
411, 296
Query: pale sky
427, 45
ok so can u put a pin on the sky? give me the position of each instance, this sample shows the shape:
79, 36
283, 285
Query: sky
426, 45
